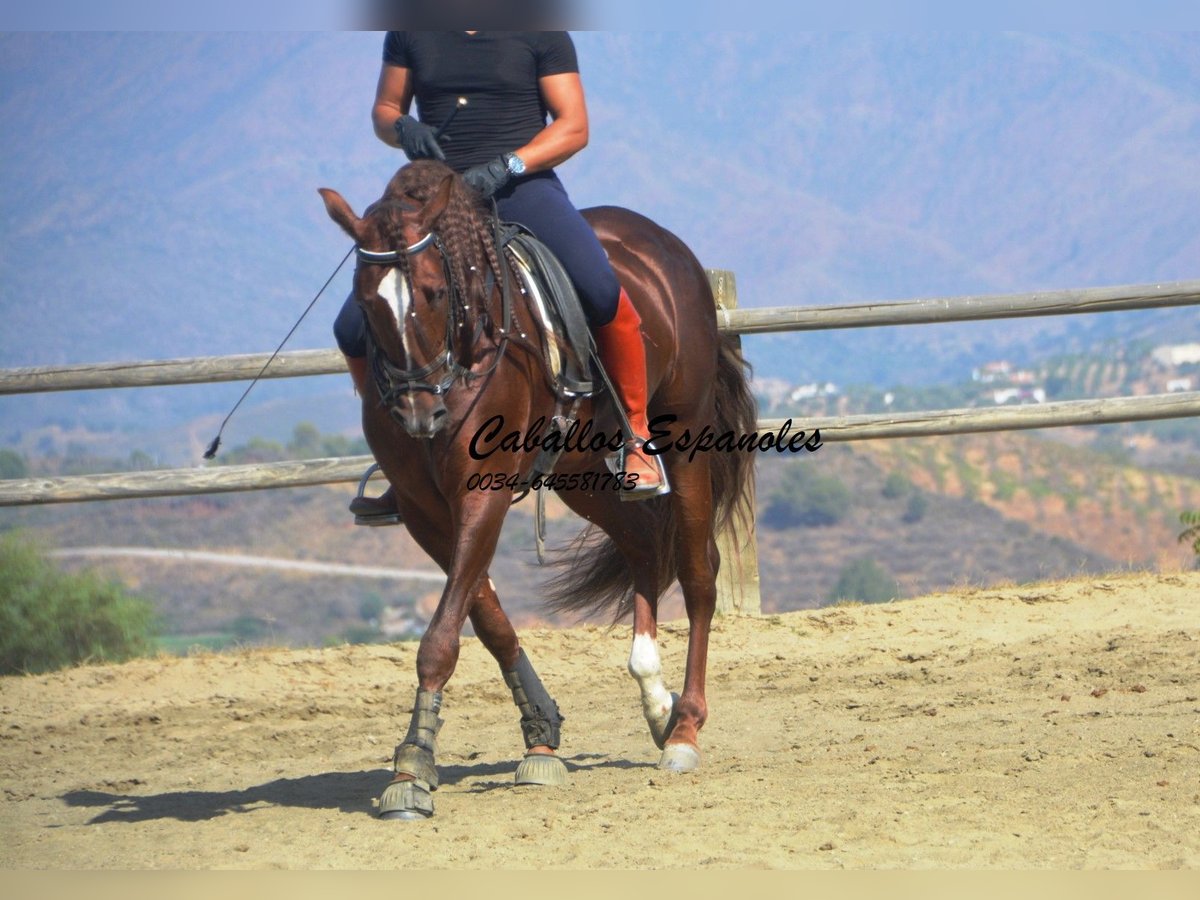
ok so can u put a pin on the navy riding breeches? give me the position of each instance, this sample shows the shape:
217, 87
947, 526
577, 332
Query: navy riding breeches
540, 203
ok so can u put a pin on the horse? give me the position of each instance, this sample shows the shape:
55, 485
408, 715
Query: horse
459, 392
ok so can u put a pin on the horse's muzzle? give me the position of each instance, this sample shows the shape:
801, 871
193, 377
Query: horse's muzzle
421, 418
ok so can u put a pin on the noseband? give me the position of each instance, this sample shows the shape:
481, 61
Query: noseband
391, 380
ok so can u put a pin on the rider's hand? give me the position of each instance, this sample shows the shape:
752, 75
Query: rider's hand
417, 139
488, 177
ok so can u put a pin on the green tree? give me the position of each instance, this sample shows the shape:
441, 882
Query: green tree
140, 461
807, 499
371, 607
865, 580
914, 511
896, 485
50, 619
306, 441
362, 634
248, 629
12, 464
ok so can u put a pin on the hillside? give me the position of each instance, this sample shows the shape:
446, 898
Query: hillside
933, 514
1125, 512
1045, 726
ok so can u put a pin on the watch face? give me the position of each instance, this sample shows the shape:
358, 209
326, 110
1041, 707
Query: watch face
516, 165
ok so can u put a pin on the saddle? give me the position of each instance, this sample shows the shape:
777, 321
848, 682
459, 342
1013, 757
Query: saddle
552, 297
570, 352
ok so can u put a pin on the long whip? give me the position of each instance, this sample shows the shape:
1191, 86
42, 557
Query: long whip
216, 442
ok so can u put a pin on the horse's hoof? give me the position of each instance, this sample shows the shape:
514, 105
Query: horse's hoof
679, 758
661, 728
541, 768
406, 800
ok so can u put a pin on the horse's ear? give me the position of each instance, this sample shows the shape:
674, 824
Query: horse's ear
339, 210
437, 206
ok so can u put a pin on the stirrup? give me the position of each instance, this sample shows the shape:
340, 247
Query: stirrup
616, 464
363, 507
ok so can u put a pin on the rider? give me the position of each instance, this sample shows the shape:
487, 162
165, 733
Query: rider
502, 145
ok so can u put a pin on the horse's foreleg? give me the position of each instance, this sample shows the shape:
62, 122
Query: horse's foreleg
540, 719
409, 794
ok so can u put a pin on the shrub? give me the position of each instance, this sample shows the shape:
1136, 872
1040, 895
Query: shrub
1192, 533
918, 503
12, 464
865, 580
50, 619
807, 499
896, 485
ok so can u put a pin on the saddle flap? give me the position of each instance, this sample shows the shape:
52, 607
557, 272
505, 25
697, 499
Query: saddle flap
552, 297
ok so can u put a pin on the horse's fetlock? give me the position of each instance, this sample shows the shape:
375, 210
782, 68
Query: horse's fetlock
540, 719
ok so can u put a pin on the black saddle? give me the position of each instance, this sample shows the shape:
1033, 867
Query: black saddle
553, 299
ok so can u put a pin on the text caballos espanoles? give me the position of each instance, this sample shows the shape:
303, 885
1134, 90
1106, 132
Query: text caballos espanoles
491, 438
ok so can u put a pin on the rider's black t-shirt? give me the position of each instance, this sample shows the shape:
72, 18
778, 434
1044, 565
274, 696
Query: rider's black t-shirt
497, 71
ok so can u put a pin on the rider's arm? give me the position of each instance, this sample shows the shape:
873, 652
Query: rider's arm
393, 97
567, 134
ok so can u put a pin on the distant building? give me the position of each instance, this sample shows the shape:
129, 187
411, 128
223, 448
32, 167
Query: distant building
809, 391
992, 371
1179, 384
1176, 354
1022, 376
773, 390
1018, 395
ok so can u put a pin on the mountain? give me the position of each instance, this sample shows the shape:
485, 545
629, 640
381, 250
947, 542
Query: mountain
159, 193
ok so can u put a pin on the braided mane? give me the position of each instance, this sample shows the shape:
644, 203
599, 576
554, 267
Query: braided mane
464, 227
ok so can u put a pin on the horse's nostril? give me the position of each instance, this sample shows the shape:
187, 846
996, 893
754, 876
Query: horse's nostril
397, 416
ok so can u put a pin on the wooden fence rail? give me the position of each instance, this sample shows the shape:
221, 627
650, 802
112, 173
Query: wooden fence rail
303, 473
297, 363
738, 583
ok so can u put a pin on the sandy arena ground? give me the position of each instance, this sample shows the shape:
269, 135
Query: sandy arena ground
1055, 725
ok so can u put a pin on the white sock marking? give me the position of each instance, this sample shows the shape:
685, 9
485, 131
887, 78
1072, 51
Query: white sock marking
646, 667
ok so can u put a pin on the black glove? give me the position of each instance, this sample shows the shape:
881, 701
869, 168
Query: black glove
488, 177
417, 139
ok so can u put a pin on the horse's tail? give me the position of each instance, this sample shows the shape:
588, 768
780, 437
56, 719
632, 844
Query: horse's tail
593, 574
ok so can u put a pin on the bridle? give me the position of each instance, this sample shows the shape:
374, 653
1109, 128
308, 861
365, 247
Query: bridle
393, 381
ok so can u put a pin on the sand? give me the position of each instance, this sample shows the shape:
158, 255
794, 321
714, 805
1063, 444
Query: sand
1055, 725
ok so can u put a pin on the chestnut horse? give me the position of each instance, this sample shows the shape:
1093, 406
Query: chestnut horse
457, 369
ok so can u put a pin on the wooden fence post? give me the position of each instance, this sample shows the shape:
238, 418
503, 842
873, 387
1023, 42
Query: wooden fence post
737, 582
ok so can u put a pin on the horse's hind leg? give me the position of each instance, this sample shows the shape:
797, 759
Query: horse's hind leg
697, 560
633, 529
540, 718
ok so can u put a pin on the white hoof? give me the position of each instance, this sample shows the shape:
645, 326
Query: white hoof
679, 758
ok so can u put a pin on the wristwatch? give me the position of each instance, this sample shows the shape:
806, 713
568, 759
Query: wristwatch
514, 164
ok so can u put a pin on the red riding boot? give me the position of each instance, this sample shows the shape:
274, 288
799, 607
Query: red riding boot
623, 355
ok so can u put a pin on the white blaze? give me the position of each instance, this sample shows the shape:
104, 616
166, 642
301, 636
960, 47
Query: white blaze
394, 290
